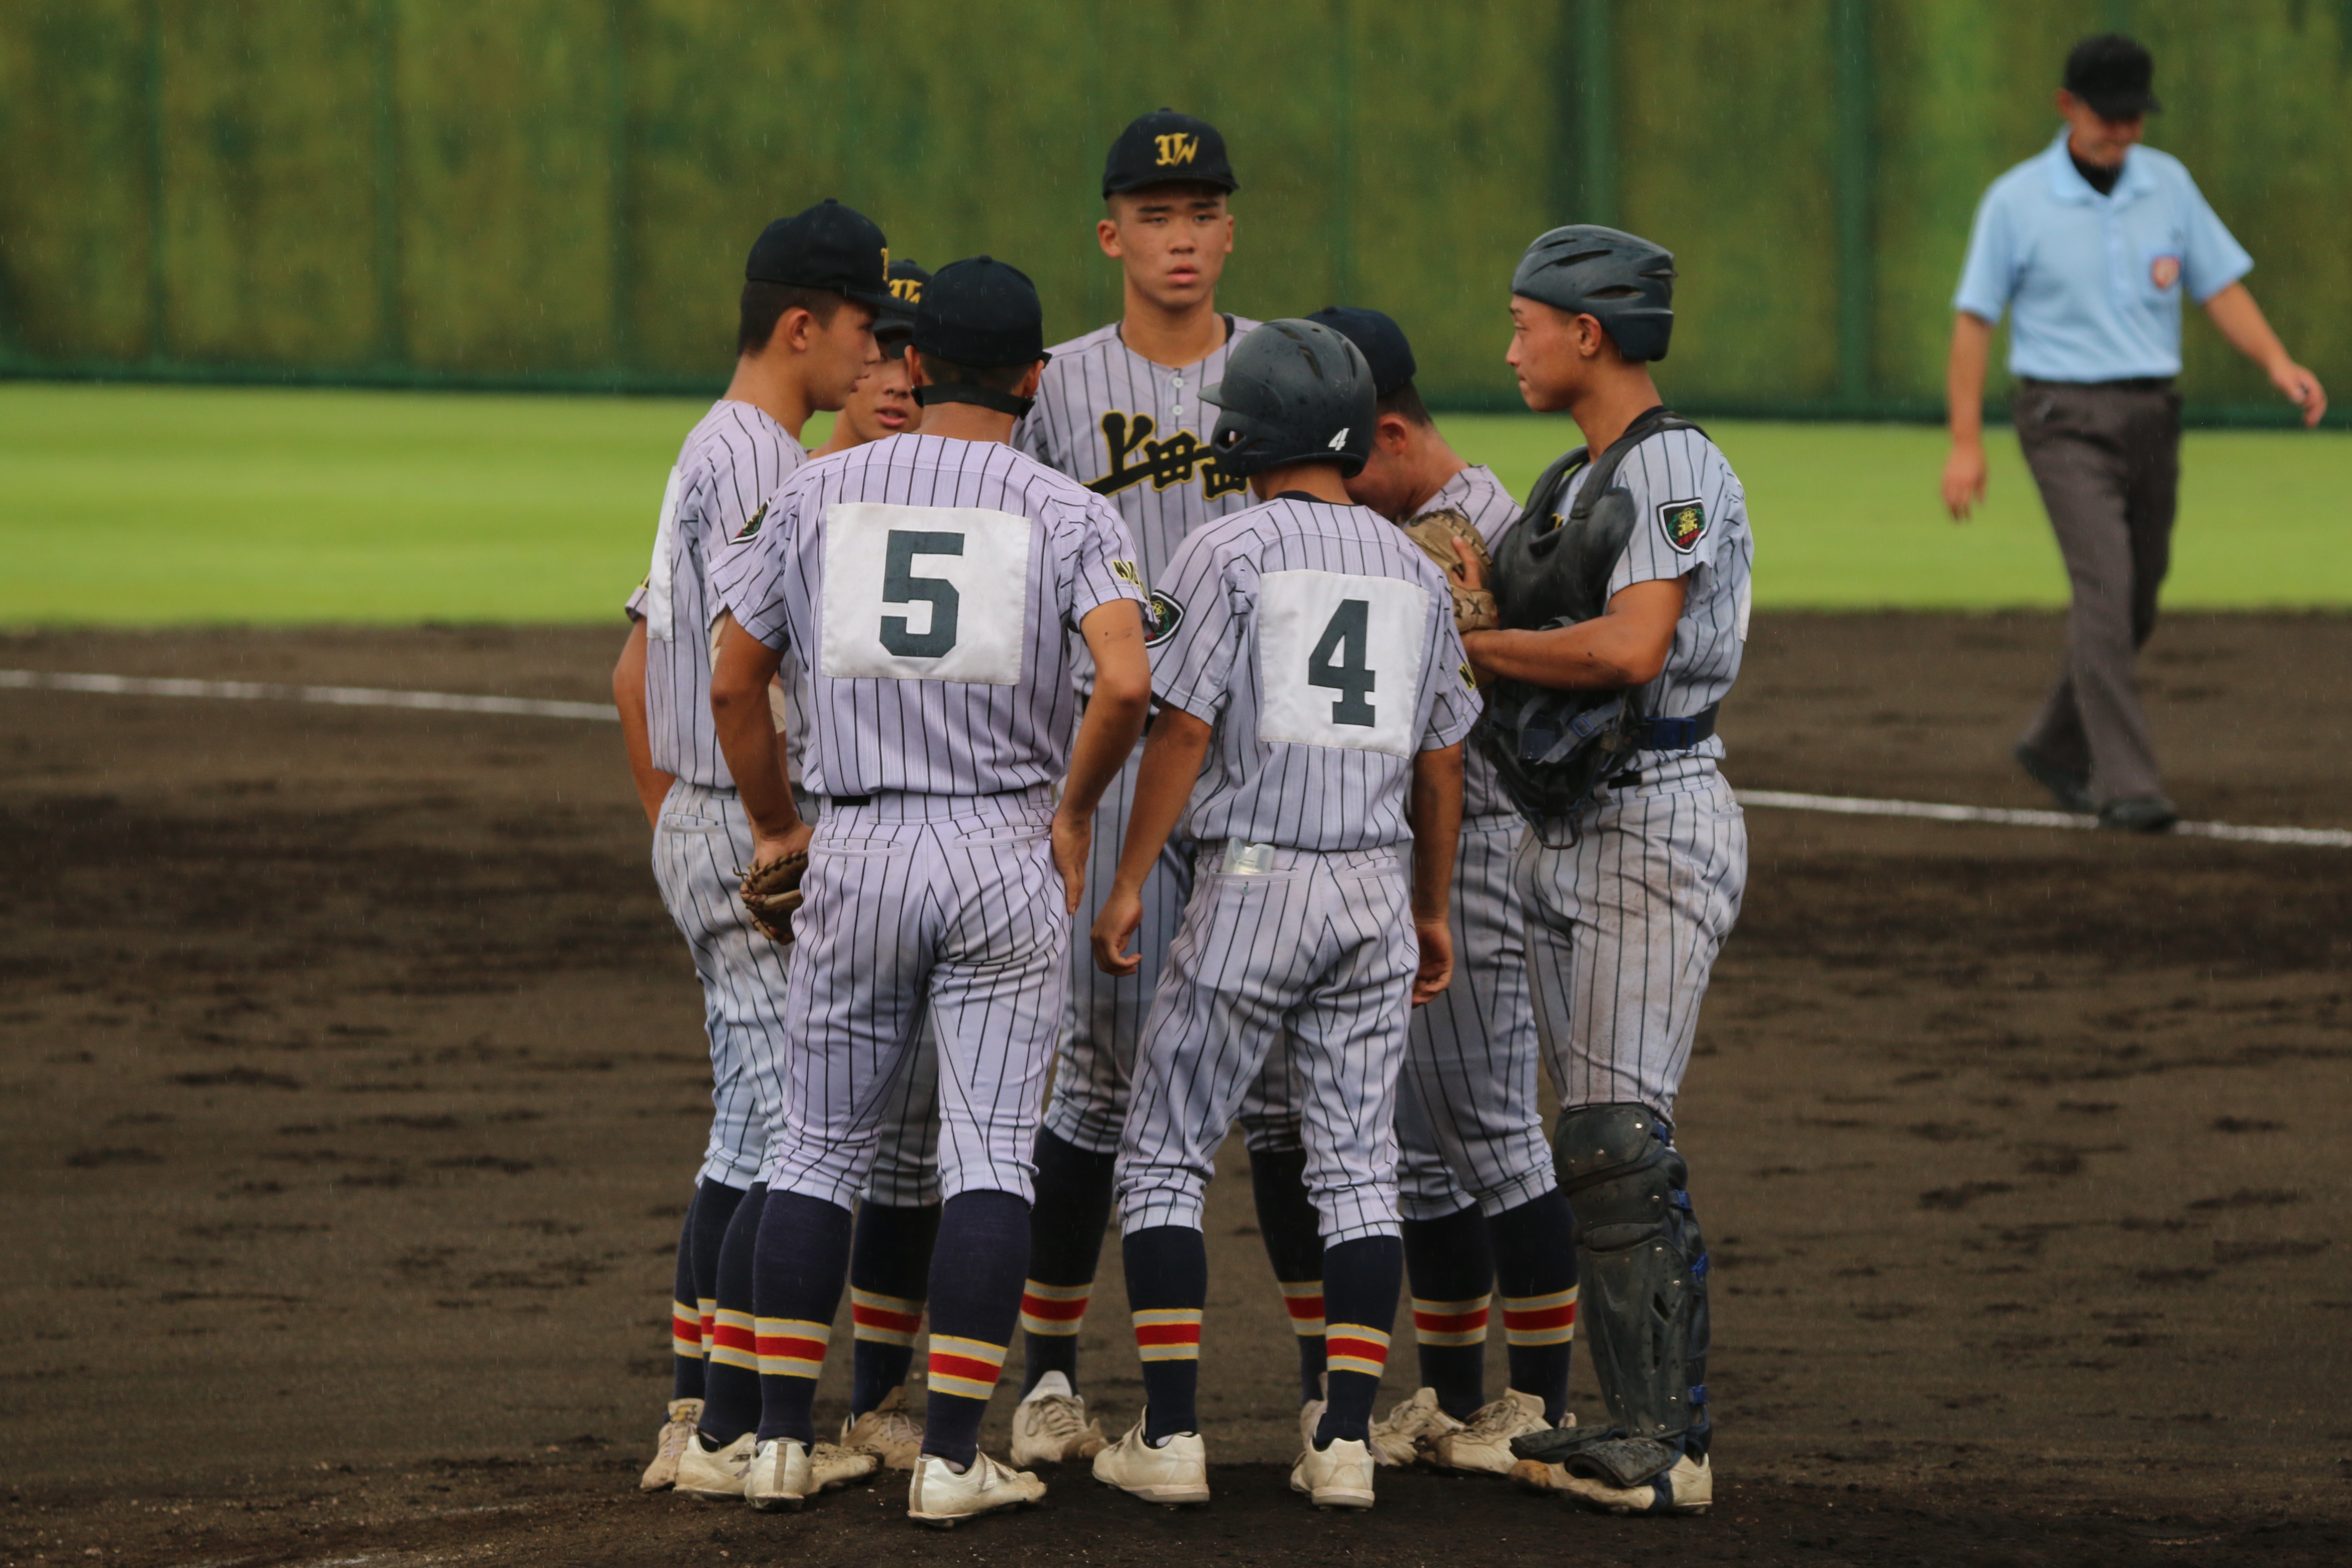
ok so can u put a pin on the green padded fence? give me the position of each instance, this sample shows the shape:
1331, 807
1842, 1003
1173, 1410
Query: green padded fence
557, 194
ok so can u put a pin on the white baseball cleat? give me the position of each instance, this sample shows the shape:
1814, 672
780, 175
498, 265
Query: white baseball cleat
1485, 1444
669, 1445
1338, 1477
1412, 1430
1050, 1426
707, 1472
1173, 1473
1310, 1417
937, 1496
1687, 1488
887, 1433
786, 1473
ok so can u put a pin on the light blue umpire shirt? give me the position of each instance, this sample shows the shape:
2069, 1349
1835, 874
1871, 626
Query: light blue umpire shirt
2095, 281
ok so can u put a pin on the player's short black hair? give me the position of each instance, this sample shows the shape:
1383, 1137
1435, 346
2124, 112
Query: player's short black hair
764, 305
1406, 404
996, 378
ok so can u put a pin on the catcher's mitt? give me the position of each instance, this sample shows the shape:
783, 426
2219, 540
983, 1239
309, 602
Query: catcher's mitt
1435, 531
772, 892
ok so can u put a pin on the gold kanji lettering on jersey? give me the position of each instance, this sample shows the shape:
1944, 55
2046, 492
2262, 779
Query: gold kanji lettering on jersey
1133, 457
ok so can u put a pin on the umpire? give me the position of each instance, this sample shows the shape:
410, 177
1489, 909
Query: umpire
2091, 243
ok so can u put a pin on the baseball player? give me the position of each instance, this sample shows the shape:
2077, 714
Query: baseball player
1624, 596
931, 584
883, 402
1479, 1200
1312, 703
1121, 411
812, 285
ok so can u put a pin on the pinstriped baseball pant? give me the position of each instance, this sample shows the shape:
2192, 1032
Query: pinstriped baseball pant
1624, 923
912, 901
1468, 1123
1315, 954
701, 845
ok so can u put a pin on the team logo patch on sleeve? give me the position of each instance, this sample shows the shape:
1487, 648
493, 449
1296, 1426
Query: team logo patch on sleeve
1127, 572
1684, 523
1161, 618
750, 528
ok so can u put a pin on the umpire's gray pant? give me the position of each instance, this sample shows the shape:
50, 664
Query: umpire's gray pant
2107, 458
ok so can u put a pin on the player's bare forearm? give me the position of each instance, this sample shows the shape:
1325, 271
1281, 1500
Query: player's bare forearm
1172, 764
747, 735
1964, 384
2249, 331
1116, 711
1624, 645
1435, 814
629, 702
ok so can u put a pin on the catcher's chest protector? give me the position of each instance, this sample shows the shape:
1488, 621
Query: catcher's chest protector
1554, 748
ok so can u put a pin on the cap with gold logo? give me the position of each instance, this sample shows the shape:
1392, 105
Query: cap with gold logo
827, 246
1165, 145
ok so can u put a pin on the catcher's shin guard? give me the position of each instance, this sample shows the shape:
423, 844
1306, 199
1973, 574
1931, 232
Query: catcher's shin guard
1643, 1270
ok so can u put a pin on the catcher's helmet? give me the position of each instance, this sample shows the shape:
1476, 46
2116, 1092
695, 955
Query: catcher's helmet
1294, 392
1620, 279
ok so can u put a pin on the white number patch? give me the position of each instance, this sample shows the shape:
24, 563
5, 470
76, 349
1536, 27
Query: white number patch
1340, 658
925, 593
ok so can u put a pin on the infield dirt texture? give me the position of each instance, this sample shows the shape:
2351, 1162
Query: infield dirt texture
354, 1082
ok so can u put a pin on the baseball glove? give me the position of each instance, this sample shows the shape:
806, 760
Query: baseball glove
772, 892
1435, 531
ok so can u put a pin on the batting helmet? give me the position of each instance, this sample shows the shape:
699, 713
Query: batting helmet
1620, 279
1294, 392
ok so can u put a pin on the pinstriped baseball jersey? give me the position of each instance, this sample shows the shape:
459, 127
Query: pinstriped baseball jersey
1478, 495
1319, 642
731, 462
930, 587
1691, 519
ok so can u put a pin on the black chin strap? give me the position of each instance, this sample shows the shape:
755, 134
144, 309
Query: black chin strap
966, 392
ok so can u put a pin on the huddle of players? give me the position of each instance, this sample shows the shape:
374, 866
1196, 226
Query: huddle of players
939, 640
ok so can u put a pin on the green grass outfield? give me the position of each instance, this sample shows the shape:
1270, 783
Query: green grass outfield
139, 504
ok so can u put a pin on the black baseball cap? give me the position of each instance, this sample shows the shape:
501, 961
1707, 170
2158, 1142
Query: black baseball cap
2114, 75
895, 325
981, 313
1165, 145
1380, 338
827, 247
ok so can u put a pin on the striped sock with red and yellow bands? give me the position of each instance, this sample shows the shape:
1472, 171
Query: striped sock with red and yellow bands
1354, 1348
975, 1284
1549, 1319
1054, 1311
792, 1347
964, 1369
1535, 1273
1167, 1287
685, 1333
734, 1340
1360, 1283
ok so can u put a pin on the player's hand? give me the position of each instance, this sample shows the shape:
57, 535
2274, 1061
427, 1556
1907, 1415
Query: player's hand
1473, 572
2301, 389
1073, 837
1437, 971
765, 850
1115, 928
1964, 479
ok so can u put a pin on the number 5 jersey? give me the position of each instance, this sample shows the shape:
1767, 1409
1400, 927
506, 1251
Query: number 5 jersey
1320, 643
930, 587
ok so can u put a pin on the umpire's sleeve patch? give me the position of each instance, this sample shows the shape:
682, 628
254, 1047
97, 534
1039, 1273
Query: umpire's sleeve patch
1163, 615
1684, 523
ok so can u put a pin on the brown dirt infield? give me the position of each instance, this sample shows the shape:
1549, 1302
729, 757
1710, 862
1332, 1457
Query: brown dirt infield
350, 1091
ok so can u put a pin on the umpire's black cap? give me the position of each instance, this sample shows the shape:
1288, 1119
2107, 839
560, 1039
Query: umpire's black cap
826, 247
1165, 145
895, 327
982, 313
1380, 338
2114, 75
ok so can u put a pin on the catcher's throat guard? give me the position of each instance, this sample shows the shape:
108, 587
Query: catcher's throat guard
1554, 749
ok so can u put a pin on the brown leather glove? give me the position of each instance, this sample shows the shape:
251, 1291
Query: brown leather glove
1435, 531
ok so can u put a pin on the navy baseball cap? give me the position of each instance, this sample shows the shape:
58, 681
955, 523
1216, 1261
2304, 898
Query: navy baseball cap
2114, 75
1380, 338
827, 247
895, 327
1165, 145
981, 313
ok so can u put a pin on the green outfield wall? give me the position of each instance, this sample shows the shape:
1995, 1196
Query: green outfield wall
559, 193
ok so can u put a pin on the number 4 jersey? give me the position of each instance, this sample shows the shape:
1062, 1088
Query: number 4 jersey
930, 587
1319, 642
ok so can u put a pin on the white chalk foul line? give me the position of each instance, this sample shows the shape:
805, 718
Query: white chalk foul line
339, 696
536, 708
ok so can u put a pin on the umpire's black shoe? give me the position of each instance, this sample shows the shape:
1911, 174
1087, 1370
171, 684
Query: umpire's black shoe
2138, 814
2072, 793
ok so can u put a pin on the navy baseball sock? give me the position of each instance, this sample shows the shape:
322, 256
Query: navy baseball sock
684, 1316
1535, 1266
803, 1261
1293, 1235
1065, 1232
977, 1267
1360, 1294
707, 1221
730, 1378
1453, 1275
1167, 1287
889, 1259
